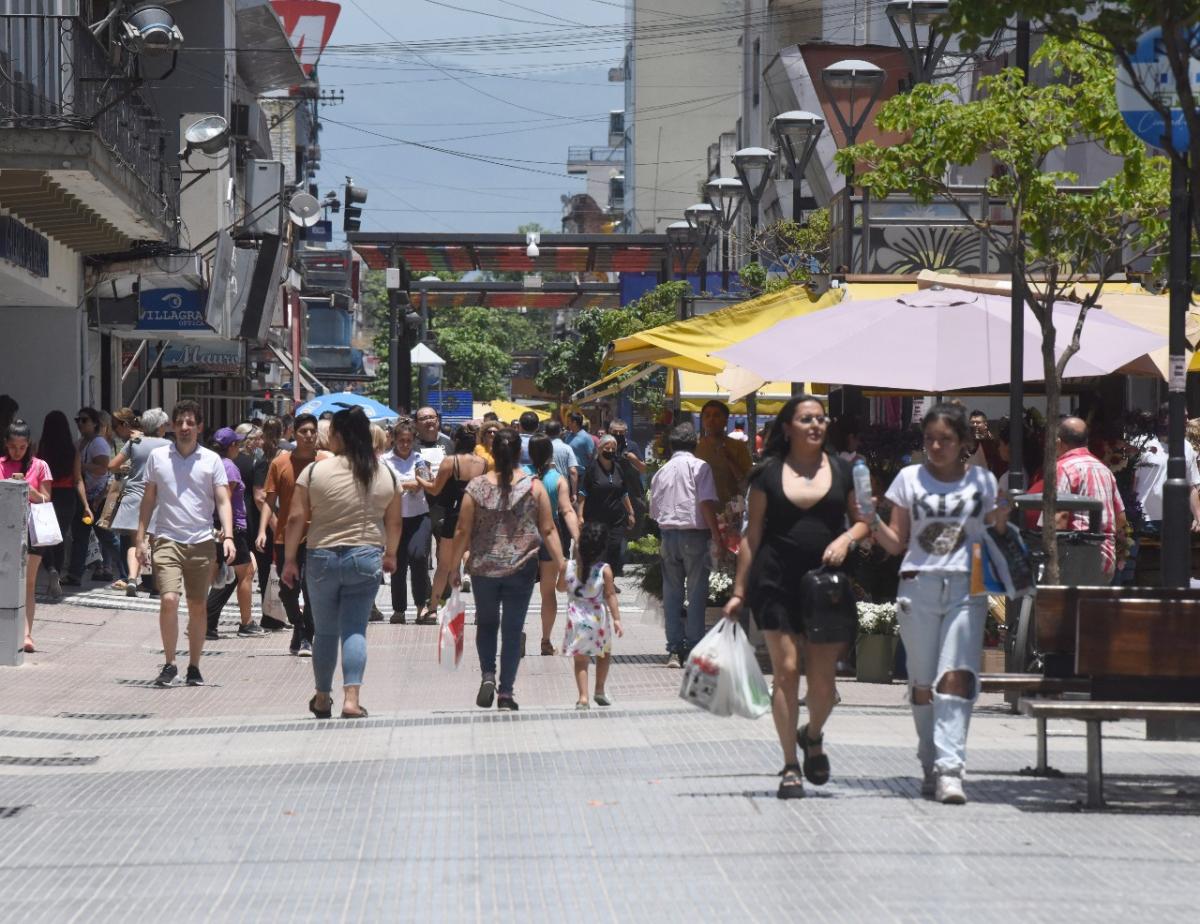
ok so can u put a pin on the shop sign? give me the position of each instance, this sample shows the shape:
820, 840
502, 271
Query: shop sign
172, 309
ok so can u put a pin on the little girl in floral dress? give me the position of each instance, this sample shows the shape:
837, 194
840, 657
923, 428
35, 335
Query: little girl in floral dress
593, 616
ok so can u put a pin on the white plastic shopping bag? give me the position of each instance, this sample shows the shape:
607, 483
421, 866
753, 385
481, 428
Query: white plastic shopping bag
749, 695
43, 526
272, 605
706, 676
722, 675
452, 622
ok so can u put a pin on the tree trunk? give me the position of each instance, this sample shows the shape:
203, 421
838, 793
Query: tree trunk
1049, 451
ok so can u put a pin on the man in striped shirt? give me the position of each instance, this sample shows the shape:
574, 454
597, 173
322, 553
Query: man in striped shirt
1080, 472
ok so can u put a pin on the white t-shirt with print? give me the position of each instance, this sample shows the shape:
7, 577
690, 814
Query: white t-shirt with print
944, 515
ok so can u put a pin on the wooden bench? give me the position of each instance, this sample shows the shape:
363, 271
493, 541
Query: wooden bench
1139, 648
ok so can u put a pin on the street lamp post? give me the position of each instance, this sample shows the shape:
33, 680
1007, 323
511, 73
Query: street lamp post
683, 242
915, 23
797, 132
852, 79
702, 218
725, 194
753, 167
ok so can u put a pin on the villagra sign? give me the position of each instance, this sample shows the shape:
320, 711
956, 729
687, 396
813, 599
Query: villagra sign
309, 24
171, 309
1152, 73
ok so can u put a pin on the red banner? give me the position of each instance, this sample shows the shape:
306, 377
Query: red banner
309, 24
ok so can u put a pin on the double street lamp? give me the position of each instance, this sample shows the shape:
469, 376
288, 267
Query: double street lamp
725, 194
702, 219
797, 133
849, 83
915, 23
753, 167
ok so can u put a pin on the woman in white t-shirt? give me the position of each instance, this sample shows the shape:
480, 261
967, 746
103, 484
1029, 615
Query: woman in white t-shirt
940, 508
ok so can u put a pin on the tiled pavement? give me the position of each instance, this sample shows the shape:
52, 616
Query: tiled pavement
230, 803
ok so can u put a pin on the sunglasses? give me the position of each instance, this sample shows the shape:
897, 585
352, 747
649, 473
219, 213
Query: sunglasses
807, 419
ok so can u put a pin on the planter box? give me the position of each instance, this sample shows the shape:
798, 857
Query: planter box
992, 661
874, 655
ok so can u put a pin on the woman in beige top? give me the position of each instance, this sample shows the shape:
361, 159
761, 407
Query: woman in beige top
352, 507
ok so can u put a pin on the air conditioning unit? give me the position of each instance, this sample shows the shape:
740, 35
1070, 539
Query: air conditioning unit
264, 197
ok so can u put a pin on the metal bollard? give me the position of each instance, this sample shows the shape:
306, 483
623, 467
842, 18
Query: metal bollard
14, 542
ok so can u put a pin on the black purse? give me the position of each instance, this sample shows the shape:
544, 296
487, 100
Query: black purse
830, 611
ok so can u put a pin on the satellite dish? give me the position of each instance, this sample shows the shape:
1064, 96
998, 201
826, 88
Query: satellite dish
304, 210
210, 135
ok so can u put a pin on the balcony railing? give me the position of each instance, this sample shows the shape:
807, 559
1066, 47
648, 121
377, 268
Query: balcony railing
54, 74
578, 154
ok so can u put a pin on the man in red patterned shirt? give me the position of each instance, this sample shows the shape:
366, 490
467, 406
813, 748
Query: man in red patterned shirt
1080, 472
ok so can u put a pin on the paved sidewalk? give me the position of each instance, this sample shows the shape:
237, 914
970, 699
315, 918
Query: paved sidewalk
122, 802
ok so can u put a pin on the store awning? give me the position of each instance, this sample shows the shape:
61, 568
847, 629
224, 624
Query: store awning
695, 389
687, 344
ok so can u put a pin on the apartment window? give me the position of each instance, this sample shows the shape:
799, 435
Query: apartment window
757, 67
616, 192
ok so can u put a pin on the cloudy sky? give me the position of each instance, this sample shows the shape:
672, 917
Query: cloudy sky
495, 89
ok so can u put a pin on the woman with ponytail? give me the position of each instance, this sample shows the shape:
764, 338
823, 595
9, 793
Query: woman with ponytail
505, 518
351, 504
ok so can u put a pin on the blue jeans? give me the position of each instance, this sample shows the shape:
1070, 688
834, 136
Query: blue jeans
341, 583
685, 568
942, 628
511, 594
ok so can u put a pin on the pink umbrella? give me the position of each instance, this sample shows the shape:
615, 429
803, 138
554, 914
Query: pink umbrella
934, 341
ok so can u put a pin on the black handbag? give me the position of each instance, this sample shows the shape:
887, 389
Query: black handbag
830, 611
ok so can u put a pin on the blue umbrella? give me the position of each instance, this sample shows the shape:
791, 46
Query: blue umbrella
344, 400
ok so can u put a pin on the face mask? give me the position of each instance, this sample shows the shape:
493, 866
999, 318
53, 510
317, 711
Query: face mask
608, 453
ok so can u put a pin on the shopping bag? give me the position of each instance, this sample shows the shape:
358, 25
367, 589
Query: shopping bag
272, 605
43, 526
653, 613
706, 676
749, 695
452, 622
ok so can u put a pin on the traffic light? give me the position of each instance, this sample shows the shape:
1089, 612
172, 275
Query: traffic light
352, 202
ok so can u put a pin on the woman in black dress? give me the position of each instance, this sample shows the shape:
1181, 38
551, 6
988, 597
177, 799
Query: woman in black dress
800, 511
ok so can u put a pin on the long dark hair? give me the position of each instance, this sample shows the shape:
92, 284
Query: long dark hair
776, 446
18, 429
593, 540
354, 430
506, 452
56, 447
541, 454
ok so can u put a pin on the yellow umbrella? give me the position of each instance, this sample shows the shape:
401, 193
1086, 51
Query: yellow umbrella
687, 344
695, 389
507, 410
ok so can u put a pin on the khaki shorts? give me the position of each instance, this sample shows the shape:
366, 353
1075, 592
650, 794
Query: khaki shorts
179, 568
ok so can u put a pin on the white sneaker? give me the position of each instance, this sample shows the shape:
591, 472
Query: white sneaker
950, 791
929, 783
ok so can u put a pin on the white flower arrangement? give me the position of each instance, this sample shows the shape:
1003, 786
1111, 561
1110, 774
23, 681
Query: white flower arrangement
877, 619
720, 585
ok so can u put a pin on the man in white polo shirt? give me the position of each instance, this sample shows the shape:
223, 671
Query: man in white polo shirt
185, 483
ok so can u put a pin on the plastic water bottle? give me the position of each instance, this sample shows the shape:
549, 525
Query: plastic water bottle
862, 489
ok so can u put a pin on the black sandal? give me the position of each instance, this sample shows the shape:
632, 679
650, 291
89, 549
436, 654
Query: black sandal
816, 769
325, 713
791, 786
361, 714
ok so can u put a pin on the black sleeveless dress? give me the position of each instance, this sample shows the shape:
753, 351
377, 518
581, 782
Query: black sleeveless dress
793, 541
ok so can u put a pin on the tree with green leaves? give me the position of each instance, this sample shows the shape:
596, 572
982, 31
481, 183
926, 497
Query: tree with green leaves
1111, 27
798, 249
1068, 236
575, 361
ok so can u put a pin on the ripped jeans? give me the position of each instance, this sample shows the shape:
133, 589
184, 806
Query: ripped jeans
942, 628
